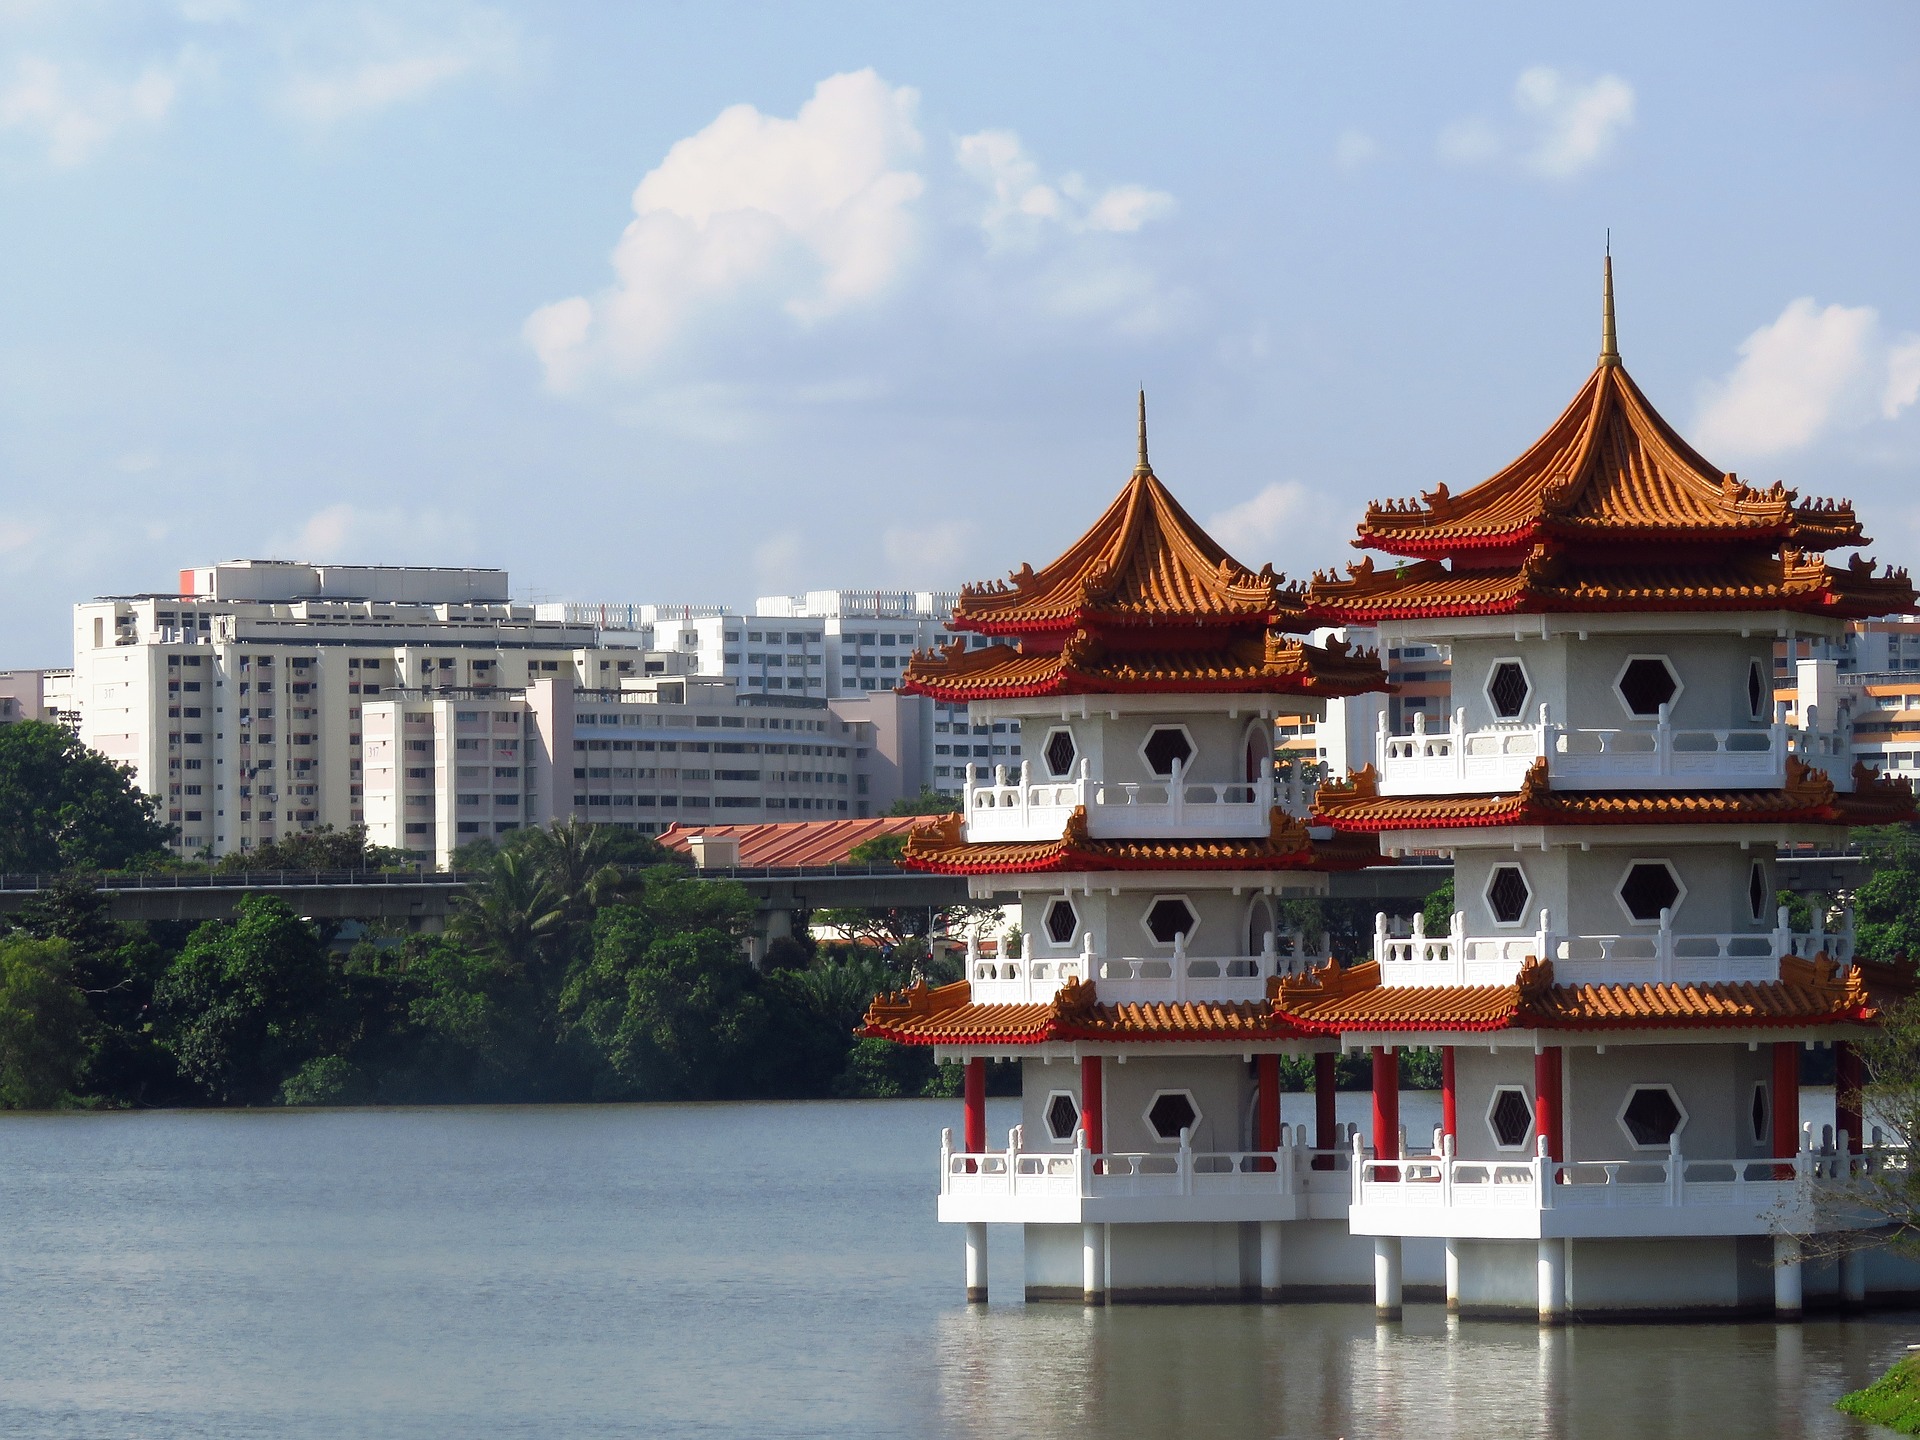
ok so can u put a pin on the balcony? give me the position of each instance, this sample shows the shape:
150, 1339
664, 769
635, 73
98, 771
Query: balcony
1496, 758
1014, 806
1538, 1198
1658, 955
1073, 1187
1153, 979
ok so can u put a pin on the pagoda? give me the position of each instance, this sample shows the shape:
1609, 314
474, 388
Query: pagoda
1619, 1001
1146, 841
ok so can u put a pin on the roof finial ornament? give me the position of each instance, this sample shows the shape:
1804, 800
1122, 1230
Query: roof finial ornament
1142, 467
1609, 343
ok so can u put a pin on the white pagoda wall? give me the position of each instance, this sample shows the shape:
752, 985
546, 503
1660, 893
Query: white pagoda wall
1581, 887
1714, 1084
1575, 678
1111, 746
1116, 920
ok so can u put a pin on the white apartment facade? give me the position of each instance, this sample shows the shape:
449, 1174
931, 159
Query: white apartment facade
240, 700
446, 768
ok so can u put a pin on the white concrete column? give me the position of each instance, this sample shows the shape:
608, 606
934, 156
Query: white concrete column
1453, 1277
1552, 1269
1093, 1264
1853, 1278
976, 1262
1270, 1259
1787, 1279
1386, 1277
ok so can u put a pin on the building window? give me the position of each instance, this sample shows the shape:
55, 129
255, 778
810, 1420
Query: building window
1170, 1112
1652, 1116
1063, 1115
1507, 895
1646, 683
1510, 1117
1760, 1114
1757, 891
1507, 688
1165, 746
1757, 695
1063, 921
1648, 888
1059, 752
1168, 918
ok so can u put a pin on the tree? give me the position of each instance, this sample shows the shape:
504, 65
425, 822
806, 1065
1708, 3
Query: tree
928, 802
880, 850
45, 1030
243, 1003
1885, 916
508, 913
323, 848
65, 807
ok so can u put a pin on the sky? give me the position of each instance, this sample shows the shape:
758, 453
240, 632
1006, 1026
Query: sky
699, 302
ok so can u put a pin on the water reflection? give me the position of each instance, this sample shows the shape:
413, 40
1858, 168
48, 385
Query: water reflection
1327, 1370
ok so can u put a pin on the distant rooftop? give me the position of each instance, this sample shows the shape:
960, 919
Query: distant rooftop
288, 580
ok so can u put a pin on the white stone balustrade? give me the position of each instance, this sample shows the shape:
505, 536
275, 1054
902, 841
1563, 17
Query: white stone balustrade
1496, 758
1017, 1185
1659, 1193
1151, 979
1013, 806
1659, 954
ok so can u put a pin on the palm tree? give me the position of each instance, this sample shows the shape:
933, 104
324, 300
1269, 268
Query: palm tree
571, 859
511, 914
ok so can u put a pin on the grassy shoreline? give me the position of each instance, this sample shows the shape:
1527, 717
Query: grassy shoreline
1893, 1400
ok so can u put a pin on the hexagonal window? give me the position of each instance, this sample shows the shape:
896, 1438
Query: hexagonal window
1646, 683
1652, 1116
1169, 917
1650, 886
1063, 921
1170, 1112
1507, 688
1059, 753
1510, 1117
1756, 691
1507, 894
1063, 1115
1165, 745
1757, 891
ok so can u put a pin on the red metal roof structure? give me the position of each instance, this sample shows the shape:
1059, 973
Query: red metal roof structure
803, 843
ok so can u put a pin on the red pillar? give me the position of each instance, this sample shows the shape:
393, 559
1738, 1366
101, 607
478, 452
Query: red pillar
1323, 1113
1386, 1109
1449, 1097
1092, 1103
1546, 1101
1848, 1077
1786, 1104
976, 1106
1266, 1114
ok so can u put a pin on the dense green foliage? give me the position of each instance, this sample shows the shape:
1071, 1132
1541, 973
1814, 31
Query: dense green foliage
1886, 919
65, 807
928, 802
1893, 1400
324, 848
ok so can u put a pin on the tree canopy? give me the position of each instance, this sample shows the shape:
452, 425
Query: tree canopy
65, 807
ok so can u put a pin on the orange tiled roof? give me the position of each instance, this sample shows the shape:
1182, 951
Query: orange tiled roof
940, 849
1335, 1000
800, 843
1546, 580
1612, 469
1355, 805
948, 1016
1249, 662
1144, 562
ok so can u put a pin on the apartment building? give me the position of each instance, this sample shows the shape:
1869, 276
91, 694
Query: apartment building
445, 768
240, 699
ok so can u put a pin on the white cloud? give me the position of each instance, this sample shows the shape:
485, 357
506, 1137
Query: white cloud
351, 534
75, 112
1354, 149
1562, 127
778, 563
1021, 205
393, 64
1258, 525
929, 554
815, 215
761, 236
1809, 371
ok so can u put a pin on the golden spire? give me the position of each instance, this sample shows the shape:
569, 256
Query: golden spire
1609, 343
1143, 468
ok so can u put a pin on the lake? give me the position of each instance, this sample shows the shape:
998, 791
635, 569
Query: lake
724, 1270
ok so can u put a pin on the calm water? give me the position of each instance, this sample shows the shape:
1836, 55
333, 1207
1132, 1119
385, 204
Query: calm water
750, 1270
